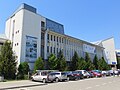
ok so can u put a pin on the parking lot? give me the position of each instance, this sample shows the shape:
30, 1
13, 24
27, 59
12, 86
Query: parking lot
103, 83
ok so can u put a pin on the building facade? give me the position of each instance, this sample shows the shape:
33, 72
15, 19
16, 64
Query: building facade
109, 51
33, 36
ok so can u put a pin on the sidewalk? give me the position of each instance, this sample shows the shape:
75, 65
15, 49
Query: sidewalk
19, 84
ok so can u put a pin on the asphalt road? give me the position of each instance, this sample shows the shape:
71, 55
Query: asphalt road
104, 83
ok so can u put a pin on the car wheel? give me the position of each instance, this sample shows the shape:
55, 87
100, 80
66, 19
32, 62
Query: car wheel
56, 79
44, 80
32, 79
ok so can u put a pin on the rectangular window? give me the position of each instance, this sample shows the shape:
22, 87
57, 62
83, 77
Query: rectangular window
51, 49
54, 49
57, 50
57, 39
60, 39
48, 49
51, 37
42, 36
42, 24
47, 36
54, 38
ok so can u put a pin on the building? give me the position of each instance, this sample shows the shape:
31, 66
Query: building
33, 35
109, 51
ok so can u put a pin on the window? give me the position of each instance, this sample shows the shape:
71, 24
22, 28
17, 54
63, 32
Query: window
42, 36
48, 49
54, 49
57, 50
47, 36
51, 37
42, 24
60, 39
57, 39
54, 38
51, 49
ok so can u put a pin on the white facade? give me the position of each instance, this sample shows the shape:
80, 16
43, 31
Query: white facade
109, 50
35, 36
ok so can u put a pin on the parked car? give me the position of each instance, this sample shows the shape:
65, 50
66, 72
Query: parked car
41, 75
74, 75
85, 73
57, 76
91, 74
96, 73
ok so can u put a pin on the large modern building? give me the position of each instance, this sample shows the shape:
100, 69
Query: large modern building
33, 36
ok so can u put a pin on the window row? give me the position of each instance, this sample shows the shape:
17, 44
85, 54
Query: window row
63, 40
54, 38
52, 50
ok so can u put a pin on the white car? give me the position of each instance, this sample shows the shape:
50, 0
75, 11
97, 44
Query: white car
85, 73
41, 75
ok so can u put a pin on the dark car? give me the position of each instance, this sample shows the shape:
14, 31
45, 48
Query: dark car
74, 75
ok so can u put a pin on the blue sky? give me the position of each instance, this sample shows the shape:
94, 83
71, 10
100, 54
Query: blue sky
89, 20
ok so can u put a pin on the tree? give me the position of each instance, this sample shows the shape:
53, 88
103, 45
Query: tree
26, 68
23, 70
89, 64
81, 64
118, 62
95, 61
74, 62
39, 64
102, 65
61, 62
7, 61
52, 62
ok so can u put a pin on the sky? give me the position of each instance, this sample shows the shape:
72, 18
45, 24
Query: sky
89, 20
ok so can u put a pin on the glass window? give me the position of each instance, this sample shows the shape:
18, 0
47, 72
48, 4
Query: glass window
54, 49
48, 36
60, 39
48, 49
54, 38
42, 24
57, 39
51, 37
51, 49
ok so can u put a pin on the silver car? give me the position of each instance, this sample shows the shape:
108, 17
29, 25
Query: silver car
57, 76
41, 75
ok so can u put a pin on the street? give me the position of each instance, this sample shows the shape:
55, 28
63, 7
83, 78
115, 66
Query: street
104, 83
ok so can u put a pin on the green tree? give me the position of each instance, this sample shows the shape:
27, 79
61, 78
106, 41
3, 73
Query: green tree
26, 68
81, 64
23, 70
102, 65
74, 62
118, 62
89, 64
61, 62
7, 61
95, 61
39, 64
52, 62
